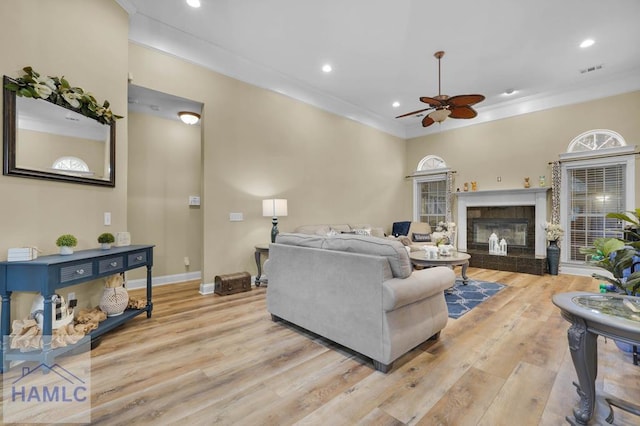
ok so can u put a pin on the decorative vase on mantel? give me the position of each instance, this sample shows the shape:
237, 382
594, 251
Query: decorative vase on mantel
553, 257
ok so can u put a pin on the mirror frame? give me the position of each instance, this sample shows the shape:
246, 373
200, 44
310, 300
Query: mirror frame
9, 167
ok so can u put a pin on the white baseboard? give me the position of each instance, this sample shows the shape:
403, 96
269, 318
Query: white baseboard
164, 280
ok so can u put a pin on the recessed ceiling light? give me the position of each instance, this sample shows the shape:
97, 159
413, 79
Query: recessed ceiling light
396, 104
326, 68
193, 3
586, 43
510, 92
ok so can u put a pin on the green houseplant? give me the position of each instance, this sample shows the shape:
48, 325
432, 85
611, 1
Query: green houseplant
618, 256
66, 242
106, 239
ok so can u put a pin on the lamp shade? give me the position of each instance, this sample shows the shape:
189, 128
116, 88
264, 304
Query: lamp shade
274, 207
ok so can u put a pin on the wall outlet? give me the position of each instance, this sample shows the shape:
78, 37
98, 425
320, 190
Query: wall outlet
186, 261
107, 218
236, 217
499, 179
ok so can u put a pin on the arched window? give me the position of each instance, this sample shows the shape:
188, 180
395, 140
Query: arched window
594, 140
432, 185
72, 165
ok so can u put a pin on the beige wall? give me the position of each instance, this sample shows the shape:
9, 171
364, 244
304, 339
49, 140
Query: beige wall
86, 41
522, 146
164, 170
259, 144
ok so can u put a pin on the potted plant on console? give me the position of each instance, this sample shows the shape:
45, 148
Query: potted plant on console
66, 243
105, 240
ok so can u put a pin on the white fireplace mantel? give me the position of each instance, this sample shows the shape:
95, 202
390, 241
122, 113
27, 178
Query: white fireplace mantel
504, 197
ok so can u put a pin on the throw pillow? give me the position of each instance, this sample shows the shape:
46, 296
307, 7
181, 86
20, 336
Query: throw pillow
400, 228
421, 238
363, 231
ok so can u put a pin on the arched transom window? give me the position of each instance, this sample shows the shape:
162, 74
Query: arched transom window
431, 163
594, 140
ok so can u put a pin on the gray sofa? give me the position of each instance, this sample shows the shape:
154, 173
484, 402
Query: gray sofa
358, 291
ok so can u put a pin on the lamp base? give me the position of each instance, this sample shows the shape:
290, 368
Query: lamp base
274, 230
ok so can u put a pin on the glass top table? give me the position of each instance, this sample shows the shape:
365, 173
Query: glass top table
592, 314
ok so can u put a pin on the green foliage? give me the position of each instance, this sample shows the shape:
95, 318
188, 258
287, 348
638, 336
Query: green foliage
67, 240
106, 238
615, 255
57, 90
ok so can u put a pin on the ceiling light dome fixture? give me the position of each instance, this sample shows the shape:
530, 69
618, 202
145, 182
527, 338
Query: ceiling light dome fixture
189, 117
439, 115
327, 68
587, 43
193, 3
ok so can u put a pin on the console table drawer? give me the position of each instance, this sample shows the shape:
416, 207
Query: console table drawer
138, 258
76, 272
112, 264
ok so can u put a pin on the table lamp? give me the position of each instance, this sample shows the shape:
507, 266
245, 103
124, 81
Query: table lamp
274, 208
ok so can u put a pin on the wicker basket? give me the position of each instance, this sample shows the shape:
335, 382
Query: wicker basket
114, 301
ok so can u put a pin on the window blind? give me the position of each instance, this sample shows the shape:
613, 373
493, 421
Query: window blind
594, 192
433, 202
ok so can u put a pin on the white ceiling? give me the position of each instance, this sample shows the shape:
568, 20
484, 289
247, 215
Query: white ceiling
382, 51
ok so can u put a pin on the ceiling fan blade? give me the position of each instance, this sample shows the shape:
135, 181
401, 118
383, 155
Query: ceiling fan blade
413, 113
463, 111
462, 100
431, 101
427, 121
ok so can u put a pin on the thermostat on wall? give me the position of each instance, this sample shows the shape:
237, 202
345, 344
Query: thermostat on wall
123, 239
194, 200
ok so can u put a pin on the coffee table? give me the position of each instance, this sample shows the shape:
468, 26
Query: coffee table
590, 315
455, 258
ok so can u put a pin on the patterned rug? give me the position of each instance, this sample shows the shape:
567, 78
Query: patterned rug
462, 298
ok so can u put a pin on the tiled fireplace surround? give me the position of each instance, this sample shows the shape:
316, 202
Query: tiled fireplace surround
527, 204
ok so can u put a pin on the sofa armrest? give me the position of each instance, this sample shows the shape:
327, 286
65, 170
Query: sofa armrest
421, 284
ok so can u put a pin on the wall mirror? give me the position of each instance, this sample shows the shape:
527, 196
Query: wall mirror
46, 141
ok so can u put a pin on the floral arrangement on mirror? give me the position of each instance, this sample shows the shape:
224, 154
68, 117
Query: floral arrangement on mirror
554, 231
57, 90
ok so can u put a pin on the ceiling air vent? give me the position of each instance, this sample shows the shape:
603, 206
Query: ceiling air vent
591, 69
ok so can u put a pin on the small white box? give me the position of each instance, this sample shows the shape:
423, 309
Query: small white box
19, 254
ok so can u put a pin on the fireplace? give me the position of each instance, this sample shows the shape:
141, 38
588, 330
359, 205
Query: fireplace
517, 215
516, 224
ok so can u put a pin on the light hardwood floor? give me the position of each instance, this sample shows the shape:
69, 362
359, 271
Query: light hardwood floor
203, 360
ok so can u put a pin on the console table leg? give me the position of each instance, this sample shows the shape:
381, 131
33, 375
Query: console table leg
6, 330
149, 285
584, 353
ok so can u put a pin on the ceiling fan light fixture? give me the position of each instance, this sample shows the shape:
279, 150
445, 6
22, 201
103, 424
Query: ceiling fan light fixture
440, 115
189, 117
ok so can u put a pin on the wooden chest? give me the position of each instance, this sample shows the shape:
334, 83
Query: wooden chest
232, 283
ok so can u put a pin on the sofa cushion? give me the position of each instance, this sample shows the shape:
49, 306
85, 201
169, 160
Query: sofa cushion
419, 228
394, 251
302, 240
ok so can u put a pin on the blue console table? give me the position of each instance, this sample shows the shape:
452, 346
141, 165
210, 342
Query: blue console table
48, 273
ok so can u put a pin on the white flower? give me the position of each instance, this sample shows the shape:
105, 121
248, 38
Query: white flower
554, 231
72, 99
42, 90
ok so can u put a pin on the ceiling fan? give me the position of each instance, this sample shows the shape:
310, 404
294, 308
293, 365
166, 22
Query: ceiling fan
444, 106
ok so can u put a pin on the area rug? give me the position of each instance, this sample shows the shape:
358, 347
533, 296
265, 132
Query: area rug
462, 298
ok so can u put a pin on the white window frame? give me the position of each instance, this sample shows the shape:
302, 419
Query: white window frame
417, 196
606, 157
